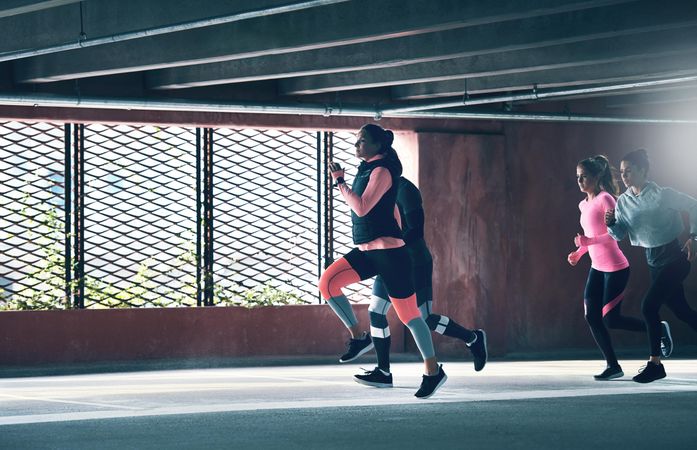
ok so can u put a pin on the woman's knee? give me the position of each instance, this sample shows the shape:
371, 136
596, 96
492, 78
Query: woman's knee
610, 321
338, 275
592, 314
324, 285
406, 308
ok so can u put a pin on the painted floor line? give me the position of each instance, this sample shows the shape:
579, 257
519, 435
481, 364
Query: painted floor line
72, 402
446, 397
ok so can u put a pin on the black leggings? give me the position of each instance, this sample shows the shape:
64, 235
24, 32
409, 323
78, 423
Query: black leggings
603, 301
666, 287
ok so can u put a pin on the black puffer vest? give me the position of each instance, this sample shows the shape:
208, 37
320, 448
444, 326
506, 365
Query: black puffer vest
380, 221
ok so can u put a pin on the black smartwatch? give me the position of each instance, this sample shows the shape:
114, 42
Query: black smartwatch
339, 181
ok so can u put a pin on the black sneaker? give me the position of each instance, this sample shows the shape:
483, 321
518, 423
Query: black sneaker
666, 340
650, 372
356, 347
478, 349
375, 378
611, 372
431, 383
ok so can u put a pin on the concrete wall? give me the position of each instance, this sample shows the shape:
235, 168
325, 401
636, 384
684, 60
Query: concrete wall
501, 216
463, 184
501, 207
42, 337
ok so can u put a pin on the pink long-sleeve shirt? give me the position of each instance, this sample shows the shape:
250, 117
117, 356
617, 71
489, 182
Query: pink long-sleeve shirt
603, 250
379, 183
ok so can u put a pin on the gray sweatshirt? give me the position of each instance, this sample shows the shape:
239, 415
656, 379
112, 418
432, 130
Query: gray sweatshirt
652, 218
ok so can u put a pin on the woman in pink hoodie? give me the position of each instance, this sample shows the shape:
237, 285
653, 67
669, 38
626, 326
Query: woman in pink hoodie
609, 271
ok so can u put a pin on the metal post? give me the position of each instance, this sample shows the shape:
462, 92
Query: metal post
198, 217
79, 242
67, 193
319, 210
208, 216
328, 203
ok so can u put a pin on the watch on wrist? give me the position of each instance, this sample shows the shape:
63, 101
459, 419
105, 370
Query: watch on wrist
339, 181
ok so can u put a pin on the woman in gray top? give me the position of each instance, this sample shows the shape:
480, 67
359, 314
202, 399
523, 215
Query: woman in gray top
651, 216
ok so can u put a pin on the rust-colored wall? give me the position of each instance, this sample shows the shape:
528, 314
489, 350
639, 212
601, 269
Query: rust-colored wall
542, 159
501, 210
41, 337
463, 184
501, 215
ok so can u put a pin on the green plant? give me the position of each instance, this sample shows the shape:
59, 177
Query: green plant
43, 287
264, 295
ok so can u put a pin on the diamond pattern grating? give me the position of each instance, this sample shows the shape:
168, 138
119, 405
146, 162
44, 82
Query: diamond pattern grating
140, 209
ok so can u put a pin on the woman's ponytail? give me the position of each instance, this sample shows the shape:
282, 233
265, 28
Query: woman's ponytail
599, 167
606, 178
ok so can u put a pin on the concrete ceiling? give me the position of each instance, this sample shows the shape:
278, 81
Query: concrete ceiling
382, 54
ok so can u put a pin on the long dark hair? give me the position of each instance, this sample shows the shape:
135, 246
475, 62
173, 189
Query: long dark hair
638, 158
599, 167
385, 138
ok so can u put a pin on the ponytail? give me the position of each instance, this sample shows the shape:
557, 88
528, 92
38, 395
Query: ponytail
599, 167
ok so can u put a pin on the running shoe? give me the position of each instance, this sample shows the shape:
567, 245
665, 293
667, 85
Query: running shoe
650, 372
666, 340
431, 383
376, 378
611, 372
480, 354
356, 347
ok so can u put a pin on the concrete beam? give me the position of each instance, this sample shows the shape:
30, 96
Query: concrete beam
688, 88
648, 68
59, 29
16, 7
346, 23
679, 94
40, 28
598, 51
526, 33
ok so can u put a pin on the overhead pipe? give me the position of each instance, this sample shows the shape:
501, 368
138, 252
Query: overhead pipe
534, 95
61, 101
83, 42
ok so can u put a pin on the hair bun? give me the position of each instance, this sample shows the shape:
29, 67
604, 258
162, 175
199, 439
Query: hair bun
602, 160
389, 138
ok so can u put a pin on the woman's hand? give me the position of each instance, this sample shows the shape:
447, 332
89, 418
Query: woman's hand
691, 248
610, 217
580, 240
337, 171
573, 258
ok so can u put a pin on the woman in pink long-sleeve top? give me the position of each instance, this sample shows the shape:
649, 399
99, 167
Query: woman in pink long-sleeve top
609, 271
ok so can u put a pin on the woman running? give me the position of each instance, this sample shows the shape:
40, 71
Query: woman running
609, 271
652, 218
411, 218
380, 251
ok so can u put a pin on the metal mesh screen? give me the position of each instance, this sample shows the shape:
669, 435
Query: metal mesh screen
140, 216
32, 210
344, 152
265, 203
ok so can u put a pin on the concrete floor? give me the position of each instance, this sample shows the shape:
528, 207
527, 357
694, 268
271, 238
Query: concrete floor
512, 405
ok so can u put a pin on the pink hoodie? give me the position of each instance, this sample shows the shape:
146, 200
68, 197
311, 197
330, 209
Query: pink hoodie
603, 250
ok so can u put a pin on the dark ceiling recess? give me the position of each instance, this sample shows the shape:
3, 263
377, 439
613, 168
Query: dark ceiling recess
618, 59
